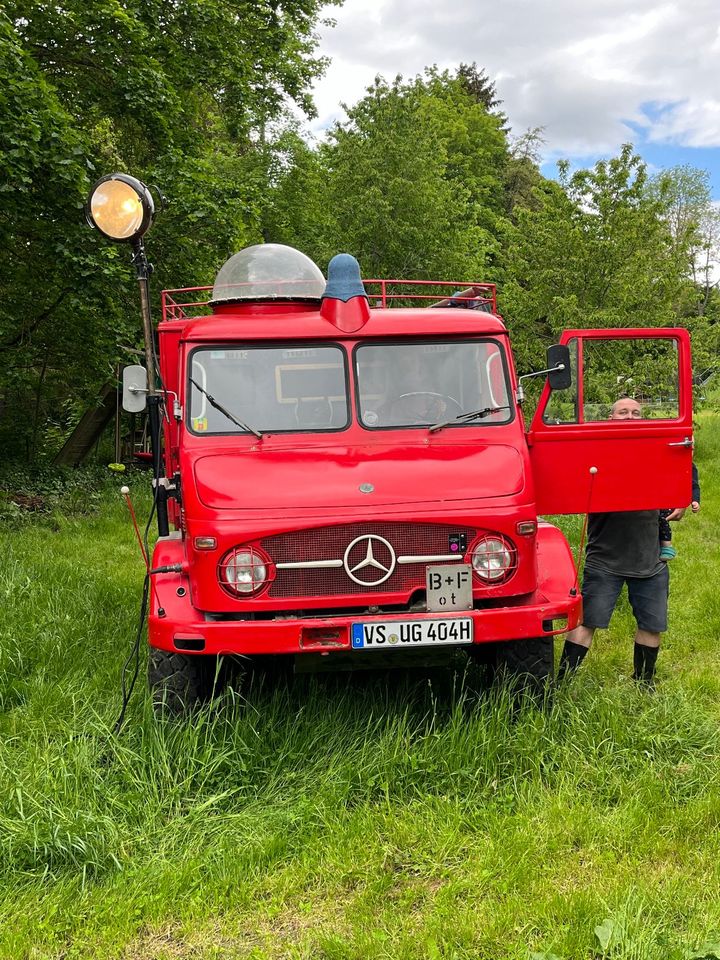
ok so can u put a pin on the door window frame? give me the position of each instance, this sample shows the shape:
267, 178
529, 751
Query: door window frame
628, 428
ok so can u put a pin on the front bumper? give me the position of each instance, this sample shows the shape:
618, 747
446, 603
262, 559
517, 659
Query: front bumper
175, 625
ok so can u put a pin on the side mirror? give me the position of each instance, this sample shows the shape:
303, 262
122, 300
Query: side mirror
558, 362
135, 388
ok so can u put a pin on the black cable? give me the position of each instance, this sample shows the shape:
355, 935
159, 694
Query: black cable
134, 655
150, 519
140, 262
158, 376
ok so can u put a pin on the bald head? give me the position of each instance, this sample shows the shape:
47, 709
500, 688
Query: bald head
626, 409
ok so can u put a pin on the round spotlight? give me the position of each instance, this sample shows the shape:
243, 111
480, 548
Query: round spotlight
120, 207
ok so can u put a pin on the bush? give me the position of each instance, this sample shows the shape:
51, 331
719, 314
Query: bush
29, 493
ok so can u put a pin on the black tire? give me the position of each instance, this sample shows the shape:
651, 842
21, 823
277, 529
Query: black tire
526, 665
484, 656
179, 682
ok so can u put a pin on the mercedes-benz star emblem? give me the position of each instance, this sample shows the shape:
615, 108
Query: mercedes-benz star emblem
371, 553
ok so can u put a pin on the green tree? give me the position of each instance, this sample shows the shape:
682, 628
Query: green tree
179, 94
296, 210
522, 171
694, 223
413, 180
597, 252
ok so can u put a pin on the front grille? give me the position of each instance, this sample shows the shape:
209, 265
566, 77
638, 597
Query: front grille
330, 543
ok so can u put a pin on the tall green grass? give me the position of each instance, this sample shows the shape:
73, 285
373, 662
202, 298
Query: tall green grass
391, 816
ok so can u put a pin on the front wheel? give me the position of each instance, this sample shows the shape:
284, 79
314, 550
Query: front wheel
527, 665
178, 682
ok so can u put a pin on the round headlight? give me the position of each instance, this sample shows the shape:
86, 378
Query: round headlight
120, 206
493, 559
243, 571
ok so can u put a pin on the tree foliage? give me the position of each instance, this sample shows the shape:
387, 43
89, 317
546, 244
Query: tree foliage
178, 94
596, 252
422, 179
411, 183
694, 223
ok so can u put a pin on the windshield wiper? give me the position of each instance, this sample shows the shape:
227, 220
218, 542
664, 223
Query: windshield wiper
467, 417
218, 406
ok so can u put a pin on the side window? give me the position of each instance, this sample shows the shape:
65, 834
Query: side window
605, 370
199, 418
645, 370
495, 375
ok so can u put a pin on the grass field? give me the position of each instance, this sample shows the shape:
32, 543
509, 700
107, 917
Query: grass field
347, 818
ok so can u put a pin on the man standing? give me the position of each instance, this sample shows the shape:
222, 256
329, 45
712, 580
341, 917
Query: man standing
623, 548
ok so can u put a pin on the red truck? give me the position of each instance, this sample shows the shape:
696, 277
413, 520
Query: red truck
351, 481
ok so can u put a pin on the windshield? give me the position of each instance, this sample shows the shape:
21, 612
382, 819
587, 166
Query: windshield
420, 384
268, 389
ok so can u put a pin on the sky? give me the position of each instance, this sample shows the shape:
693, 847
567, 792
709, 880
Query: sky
593, 75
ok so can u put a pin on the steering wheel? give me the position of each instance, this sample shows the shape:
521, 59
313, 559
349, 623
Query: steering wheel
421, 406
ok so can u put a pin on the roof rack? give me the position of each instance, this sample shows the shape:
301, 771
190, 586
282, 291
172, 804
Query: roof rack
395, 293
184, 303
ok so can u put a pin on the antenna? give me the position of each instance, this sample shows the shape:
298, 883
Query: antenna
593, 473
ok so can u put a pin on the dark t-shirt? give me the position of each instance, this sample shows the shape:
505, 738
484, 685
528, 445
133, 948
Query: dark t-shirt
626, 544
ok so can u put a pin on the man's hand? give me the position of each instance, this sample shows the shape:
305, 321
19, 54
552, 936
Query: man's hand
695, 506
677, 514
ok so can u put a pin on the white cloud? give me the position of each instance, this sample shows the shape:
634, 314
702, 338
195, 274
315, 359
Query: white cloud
691, 123
582, 70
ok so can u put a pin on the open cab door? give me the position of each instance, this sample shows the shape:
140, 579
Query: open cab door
583, 461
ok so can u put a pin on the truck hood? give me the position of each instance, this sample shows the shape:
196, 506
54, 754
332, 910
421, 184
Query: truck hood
357, 477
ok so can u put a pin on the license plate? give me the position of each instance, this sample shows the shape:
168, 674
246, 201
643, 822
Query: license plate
403, 634
449, 587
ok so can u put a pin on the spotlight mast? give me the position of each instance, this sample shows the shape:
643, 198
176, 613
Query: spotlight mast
121, 208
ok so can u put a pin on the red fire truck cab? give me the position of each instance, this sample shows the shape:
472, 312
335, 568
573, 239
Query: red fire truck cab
352, 480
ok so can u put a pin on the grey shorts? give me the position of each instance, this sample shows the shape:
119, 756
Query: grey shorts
648, 598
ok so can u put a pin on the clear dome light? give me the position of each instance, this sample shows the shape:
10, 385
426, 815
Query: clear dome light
268, 271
